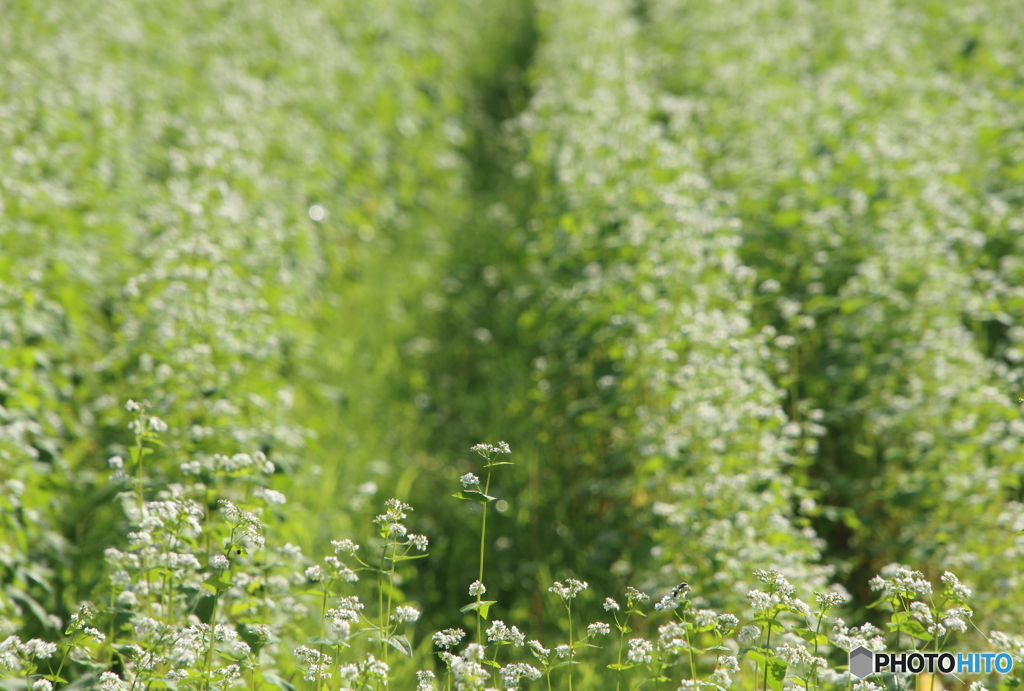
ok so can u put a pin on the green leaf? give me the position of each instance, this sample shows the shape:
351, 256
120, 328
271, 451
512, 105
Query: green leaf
811, 636
914, 628
401, 644
481, 607
408, 557
473, 495
54, 677
757, 655
881, 600
707, 627
491, 663
618, 667
776, 674
771, 622
274, 680
216, 584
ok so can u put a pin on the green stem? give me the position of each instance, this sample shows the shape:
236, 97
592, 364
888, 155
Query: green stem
323, 628
71, 646
618, 658
387, 614
568, 606
817, 629
209, 650
693, 667
380, 600
767, 646
480, 578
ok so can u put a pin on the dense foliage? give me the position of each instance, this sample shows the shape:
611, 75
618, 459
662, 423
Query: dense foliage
739, 284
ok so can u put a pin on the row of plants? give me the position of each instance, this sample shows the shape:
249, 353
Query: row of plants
198, 205
868, 151
206, 595
742, 294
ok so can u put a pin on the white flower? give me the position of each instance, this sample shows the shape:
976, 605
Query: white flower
793, 655
469, 479
38, 649
95, 634
344, 547
476, 588
111, 682
827, 601
955, 587
598, 628
127, 598
705, 617
611, 605
749, 633
499, 633
219, 561
729, 663
423, 679
865, 685
271, 496
449, 638
634, 596
374, 668
319, 664
486, 450
640, 650
562, 650
538, 650
474, 652
314, 573
42, 685
511, 674
405, 613
570, 590
420, 542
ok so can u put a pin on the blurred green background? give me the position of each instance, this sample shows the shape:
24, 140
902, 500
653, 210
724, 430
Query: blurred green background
739, 283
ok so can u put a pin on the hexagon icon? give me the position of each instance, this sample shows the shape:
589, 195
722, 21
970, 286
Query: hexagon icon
862, 662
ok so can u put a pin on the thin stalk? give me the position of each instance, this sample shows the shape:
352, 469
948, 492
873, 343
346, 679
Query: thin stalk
387, 614
572, 652
209, 650
323, 630
817, 629
71, 646
380, 604
618, 659
483, 542
693, 667
380, 598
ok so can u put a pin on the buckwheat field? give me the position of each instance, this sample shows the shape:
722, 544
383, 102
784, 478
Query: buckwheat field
564, 345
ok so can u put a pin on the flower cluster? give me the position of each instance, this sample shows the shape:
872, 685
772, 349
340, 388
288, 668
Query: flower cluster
570, 590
